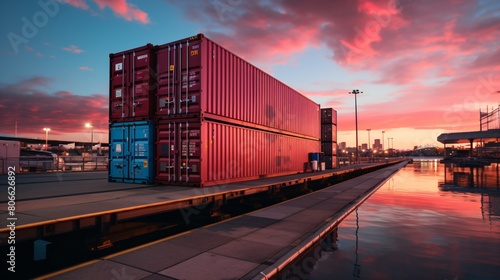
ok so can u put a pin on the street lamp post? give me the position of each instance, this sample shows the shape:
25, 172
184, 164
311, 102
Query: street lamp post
369, 143
356, 92
383, 141
46, 129
389, 143
88, 125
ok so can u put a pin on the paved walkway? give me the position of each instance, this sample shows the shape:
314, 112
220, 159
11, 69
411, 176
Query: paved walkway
85, 197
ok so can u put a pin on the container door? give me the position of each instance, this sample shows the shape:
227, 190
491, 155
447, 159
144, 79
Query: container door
189, 103
168, 68
118, 163
179, 76
166, 151
190, 152
142, 75
140, 154
118, 108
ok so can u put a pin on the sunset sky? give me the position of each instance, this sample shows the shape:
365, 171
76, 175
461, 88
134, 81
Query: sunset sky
425, 67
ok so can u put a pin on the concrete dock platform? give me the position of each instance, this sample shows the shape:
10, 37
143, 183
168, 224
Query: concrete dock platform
55, 207
252, 246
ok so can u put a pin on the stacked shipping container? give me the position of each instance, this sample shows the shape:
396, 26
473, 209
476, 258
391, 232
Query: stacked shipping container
203, 153
219, 119
132, 84
329, 137
197, 77
131, 152
132, 89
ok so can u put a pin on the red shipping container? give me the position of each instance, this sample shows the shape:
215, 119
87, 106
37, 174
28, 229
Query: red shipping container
201, 153
132, 84
328, 116
328, 133
198, 78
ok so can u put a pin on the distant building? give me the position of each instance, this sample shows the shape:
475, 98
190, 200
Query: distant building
342, 146
377, 146
364, 146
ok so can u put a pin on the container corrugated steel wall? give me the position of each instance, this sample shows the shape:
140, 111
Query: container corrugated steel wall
329, 137
132, 85
204, 153
329, 148
328, 116
197, 77
328, 133
131, 152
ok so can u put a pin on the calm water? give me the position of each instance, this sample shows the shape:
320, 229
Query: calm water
409, 229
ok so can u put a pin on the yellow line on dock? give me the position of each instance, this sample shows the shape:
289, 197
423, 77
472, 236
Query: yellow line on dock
59, 272
145, 245
47, 276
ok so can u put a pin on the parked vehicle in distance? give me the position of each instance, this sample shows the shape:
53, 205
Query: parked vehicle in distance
33, 160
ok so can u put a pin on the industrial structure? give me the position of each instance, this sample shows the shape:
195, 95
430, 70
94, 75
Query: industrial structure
213, 117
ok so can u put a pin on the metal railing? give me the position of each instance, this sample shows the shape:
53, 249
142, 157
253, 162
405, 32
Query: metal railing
25, 164
350, 160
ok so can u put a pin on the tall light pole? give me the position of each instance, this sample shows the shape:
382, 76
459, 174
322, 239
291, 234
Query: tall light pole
88, 125
356, 92
46, 129
383, 141
389, 142
369, 143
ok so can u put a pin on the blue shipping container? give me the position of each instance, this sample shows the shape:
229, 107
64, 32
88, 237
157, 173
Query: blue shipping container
315, 156
131, 155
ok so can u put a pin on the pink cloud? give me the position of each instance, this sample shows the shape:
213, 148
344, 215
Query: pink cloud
62, 111
452, 105
374, 35
441, 55
125, 10
77, 3
73, 49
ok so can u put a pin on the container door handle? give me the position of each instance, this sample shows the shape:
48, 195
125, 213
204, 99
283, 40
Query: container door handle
133, 85
168, 88
187, 151
187, 75
123, 85
180, 77
173, 77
